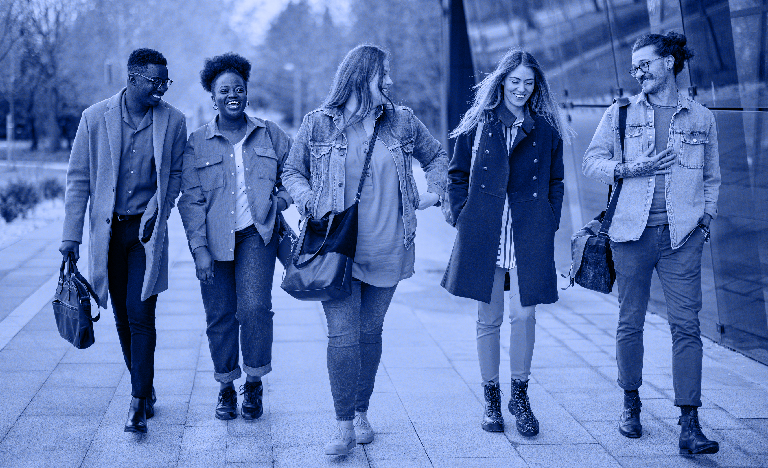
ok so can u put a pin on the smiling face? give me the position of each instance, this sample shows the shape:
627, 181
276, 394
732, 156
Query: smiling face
659, 70
230, 95
518, 87
142, 91
379, 86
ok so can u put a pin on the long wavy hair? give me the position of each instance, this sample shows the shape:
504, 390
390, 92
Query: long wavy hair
489, 93
353, 76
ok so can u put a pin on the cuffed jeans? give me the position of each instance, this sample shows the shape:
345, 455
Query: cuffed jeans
134, 318
680, 274
239, 301
355, 324
521, 339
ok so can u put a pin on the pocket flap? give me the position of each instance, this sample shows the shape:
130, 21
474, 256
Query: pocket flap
695, 138
208, 160
265, 151
320, 150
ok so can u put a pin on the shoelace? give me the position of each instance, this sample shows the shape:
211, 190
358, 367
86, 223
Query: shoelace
494, 398
227, 395
252, 390
361, 423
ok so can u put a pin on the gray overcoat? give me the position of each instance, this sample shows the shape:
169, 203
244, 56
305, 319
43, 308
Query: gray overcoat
92, 176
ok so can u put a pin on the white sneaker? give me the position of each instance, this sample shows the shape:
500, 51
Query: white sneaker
342, 442
363, 431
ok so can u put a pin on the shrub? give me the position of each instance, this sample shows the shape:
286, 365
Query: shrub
16, 199
52, 188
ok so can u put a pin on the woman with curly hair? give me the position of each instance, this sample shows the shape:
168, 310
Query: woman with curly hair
505, 189
231, 197
358, 123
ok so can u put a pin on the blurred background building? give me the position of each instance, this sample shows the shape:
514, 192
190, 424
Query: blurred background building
584, 47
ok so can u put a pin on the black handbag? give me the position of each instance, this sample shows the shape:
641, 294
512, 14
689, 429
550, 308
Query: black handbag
322, 258
286, 238
72, 305
595, 268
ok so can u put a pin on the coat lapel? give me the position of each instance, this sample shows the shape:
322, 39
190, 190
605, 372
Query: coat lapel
160, 116
114, 119
523, 131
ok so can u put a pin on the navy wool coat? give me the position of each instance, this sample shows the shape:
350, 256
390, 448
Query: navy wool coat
531, 175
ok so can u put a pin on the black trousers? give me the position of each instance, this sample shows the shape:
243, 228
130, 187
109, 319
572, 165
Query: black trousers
134, 318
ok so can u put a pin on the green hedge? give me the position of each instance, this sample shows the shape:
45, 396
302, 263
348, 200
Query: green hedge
18, 197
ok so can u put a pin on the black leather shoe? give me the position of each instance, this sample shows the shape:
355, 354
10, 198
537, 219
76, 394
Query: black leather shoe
629, 423
493, 421
519, 405
151, 404
137, 416
227, 406
252, 407
692, 440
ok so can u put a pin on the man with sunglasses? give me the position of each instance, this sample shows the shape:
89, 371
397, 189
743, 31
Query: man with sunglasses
671, 178
126, 161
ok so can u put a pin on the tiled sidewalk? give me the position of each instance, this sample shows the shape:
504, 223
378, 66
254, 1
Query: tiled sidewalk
63, 407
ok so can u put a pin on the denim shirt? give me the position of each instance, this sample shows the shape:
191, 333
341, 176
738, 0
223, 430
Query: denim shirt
692, 184
314, 172
209, 185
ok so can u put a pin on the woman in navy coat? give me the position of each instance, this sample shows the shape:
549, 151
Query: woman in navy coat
505, 189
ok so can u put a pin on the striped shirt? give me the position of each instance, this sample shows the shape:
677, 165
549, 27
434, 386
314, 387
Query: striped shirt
506, 255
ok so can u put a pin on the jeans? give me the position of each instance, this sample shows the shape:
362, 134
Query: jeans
134, 318
239, 301
522, 336
679, 271
355, 324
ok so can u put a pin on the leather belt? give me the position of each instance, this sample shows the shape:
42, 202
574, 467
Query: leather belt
123, 218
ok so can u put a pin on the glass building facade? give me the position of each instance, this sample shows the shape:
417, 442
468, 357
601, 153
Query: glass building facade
584, 47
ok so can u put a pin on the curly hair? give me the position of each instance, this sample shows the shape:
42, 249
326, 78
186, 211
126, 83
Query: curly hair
489, 93
229, 62
665, 45
140, 58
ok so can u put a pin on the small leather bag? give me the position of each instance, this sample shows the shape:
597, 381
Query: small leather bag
72, 305
286, 238
592, 260
322, 258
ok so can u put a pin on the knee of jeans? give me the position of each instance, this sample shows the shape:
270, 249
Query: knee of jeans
343, 340
371, 337
256, 310
686, 329
519, 314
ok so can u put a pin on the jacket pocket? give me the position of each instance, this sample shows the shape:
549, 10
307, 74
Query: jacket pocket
633, 141
266, 162
210, 169
319, 163
692, 151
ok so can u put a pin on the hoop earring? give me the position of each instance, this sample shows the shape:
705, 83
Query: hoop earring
215, 107
247, 103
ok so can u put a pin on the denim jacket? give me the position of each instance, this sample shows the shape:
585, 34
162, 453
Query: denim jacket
314, 172
692, 184
209, 185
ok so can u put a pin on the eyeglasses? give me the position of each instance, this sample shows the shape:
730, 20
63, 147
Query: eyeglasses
156, 82
643, 67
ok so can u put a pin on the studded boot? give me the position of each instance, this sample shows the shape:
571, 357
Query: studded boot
692, 440
493, 421
526, 423
629, 423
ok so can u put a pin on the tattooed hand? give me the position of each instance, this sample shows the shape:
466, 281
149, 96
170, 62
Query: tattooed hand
646, 165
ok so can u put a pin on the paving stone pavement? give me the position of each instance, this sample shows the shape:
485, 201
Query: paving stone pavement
63, 407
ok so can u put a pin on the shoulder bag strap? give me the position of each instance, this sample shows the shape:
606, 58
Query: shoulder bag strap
367, 164
613, 198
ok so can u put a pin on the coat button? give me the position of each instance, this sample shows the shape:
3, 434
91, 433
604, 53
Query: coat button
535, 160
535, 194
482, 185
108, 220
490, 134
341, 184
534, 143
485, 168
207, 163
534, 177
486, 151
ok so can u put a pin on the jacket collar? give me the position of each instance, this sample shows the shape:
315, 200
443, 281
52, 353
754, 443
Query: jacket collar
683, 101
337, 114
508, 118
212, 127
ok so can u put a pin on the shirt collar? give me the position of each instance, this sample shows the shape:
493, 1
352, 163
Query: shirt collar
509, 119
683, 102
146, 121
212, 127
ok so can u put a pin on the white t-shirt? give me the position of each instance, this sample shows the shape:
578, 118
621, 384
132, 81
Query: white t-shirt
243, 217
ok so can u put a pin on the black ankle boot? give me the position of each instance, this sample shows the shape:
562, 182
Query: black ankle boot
692, 440
493, 421
137, 416
252, 407
526, 423
629, 424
